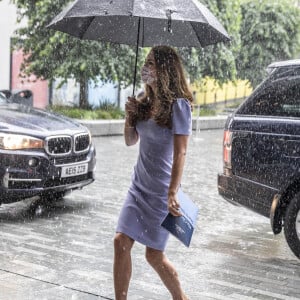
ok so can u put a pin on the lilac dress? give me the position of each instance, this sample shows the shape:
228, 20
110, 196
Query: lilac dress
145, 205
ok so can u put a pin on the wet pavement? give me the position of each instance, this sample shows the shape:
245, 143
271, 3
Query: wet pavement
63, 250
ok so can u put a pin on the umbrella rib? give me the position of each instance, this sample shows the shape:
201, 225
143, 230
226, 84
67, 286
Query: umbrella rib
202, 43
199, 37
197, 4
206, 18
62, 14
85, 29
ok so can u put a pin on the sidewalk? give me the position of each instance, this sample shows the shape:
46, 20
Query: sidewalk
115, 127
63, 250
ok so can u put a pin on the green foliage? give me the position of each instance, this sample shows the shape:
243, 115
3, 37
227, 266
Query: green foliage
103, 115
111, 112
205, 111
107, 105
269, 32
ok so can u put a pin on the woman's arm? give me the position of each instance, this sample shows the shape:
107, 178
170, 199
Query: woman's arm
130, 134
180, 148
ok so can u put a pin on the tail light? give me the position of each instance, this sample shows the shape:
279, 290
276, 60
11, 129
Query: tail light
227, 139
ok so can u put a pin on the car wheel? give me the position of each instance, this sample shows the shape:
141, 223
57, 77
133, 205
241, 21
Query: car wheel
292, 225
45, 202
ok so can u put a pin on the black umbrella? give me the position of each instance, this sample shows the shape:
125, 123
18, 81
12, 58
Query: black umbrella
180, 23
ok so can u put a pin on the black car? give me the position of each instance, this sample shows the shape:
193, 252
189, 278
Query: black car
261, 152
41, 153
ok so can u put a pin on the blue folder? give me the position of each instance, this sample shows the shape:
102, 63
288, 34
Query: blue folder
182, 227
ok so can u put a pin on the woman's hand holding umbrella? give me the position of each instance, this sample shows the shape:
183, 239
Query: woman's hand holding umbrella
130, 133
131, 107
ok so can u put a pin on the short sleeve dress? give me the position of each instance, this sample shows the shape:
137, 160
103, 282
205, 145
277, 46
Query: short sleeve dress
145, 205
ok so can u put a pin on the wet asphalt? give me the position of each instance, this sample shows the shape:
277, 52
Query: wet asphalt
63, 249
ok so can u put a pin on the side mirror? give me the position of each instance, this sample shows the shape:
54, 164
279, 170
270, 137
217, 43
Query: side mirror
24, 97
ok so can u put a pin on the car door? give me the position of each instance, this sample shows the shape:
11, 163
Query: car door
266, 135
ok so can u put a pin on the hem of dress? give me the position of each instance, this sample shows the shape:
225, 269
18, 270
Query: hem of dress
139, 240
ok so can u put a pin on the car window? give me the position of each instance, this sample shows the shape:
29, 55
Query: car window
281, 99
283, 72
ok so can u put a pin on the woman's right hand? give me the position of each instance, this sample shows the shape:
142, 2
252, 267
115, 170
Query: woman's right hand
131, 105
131, 110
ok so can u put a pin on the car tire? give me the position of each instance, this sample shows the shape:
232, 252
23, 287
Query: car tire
292, 225
45, 201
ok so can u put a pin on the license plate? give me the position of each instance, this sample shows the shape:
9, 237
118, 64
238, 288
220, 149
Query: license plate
74, 170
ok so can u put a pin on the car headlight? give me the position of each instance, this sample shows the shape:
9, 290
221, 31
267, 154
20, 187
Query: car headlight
17, 142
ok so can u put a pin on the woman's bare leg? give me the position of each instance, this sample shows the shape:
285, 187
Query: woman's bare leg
122, 265
158, 260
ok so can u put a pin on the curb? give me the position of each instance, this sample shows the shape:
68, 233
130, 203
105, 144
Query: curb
116, 127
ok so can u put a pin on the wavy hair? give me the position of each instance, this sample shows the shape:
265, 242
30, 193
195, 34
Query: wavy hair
171, 85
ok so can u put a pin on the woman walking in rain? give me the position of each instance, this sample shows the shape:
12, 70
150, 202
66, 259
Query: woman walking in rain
161, 120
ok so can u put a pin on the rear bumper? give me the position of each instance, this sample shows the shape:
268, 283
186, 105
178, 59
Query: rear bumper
226, 188
247, 193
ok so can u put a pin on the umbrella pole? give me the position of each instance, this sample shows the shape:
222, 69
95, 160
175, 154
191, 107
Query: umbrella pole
136, 56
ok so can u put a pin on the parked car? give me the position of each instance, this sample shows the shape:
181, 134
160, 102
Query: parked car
41, 153
261, 152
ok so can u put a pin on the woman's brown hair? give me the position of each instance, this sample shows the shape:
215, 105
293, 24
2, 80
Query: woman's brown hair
171, 85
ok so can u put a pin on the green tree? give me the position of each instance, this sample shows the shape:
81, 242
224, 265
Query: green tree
217, 61
50, 54
269, 32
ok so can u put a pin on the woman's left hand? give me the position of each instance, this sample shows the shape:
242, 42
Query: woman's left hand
173, 205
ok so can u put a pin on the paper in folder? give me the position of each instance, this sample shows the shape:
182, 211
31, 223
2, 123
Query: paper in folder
182, 227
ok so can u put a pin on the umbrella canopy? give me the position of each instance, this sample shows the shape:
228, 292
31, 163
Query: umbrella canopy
180, 23
142, 23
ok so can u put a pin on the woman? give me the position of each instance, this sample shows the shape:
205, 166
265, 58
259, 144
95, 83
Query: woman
161, 120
